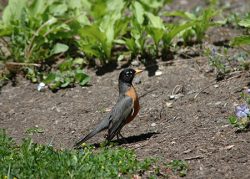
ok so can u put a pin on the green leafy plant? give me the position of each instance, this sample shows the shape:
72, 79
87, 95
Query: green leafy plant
97, 38
224, 63
34, 130
243, 39
220, 61
179, 167
69, 73
198, 22
173, 31
36, 27
30, 160
36, 32
241, 119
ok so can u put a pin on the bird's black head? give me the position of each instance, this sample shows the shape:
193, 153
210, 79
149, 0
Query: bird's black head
128, 75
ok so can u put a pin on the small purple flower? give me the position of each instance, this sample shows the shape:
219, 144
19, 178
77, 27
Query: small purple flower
242, 111
248, 91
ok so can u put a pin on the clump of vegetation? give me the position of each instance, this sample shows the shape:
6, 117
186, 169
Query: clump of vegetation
37, 35
30, 160
179, 167
224, 63
243, 39
241, 119
196, 23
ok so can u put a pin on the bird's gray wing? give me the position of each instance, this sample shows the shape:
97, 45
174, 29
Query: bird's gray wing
121, 111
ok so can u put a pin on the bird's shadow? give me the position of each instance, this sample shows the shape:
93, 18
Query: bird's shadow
135, 138
127, 140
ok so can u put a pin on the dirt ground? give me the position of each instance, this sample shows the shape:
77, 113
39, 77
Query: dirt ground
194, 127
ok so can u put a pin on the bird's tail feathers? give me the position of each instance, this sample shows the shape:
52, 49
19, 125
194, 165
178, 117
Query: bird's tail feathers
100, 127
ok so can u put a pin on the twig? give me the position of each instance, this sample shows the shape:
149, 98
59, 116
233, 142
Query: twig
203, 90
147, 92
236, 76
23, 64
176, 89
195, 157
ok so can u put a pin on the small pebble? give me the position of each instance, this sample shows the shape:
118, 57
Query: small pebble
158, 73
41, 86
153, 124
107, 109
216, 86
169, 105
217, 103
177, 96
171, 97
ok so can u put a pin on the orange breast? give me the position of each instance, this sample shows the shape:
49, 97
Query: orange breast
132, 93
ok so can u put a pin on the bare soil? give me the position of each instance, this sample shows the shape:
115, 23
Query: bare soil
194, 127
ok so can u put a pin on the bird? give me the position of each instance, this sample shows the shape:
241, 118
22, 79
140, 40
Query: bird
124, 111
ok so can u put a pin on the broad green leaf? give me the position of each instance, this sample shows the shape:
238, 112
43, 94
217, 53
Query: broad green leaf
182, 14
58, 9
115, 6
84, 81
98, 10
173, 31
50, 78
66, 83
121, 27
131, 45
66, 65
241, 40
138, 12
37, 7
59, 48
55, 85
155, 21
245, 23
156, 34
153, 3
233, 120
96, 42
93, 32
107, 26
79, 61
120, 41
90, 51
75, 4
81, 78
13, 11
83, 19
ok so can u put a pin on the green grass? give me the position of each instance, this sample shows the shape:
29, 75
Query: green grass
30, 160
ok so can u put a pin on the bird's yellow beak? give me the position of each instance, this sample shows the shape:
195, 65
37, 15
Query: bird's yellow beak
137, 71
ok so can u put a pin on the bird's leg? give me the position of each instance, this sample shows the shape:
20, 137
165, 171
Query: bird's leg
118, 135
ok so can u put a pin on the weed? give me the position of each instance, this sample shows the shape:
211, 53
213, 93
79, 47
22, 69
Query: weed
198, 22
243, 39
179, 167
241, 119
34, 130
220, 62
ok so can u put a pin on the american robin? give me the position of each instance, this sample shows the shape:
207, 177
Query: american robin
124, 111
